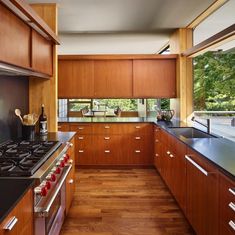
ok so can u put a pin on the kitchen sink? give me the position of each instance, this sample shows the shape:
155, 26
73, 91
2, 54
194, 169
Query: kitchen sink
190, 132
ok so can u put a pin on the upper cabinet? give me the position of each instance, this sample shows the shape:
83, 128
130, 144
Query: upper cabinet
14, 39
154, 78
42, 54
76, 79
115, 76
26, 41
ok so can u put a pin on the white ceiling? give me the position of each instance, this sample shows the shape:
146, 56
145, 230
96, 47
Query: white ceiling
121, 26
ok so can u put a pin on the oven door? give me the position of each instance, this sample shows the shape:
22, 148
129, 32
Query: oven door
49, 213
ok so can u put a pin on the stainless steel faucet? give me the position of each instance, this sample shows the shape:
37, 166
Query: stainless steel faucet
208, 125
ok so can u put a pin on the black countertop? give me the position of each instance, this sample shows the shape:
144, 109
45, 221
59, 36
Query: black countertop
219, 151
12, 190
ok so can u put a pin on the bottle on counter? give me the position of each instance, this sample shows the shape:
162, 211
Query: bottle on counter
43, 122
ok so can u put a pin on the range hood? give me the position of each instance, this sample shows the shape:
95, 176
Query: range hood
11, 70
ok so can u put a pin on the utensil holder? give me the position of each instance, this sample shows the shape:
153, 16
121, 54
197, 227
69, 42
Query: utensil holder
28, 132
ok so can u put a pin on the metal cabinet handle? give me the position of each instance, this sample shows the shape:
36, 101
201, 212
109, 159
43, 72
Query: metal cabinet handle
107, 151
59, 127
156, 140
171, 155
71, 181
232, 206
10, 225
157, 155
80, 138
168, 152
137, 137
81, 151
196, 165
107, 138
232, 190
232, 224
80, 128
137, 151
107, 127
137, 127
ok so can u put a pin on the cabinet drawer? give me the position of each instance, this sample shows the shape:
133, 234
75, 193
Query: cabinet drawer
108, 128
138, 128
157, 133
63, 127
227, 203
81, 129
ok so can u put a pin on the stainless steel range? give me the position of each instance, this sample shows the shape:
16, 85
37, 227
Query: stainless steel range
49, 163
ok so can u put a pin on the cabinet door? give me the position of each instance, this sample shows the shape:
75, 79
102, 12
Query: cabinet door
42, 54
63, 127
113, 78
14, 39
65, 73
82, 79
70, 188
202, 195
154, 78
157, 149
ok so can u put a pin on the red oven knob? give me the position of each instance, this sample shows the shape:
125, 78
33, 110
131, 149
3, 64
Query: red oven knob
58, 170
43, 191
53, 177
48, 185
62, 163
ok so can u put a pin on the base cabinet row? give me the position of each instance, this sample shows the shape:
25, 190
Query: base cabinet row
204, 193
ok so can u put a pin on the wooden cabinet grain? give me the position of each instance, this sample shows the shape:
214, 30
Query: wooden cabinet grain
202, 194
42, 54
15, 39
113, 78
23, 211
154, 78
63, 127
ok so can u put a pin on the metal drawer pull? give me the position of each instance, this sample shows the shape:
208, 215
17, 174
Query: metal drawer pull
107, 127
137, 151
11, 224
137, 127
107, 138
232, 224
171, 155
168, 152
81, 151
156, 140
157, 155
231, 190
80, 138
107, 151
71, 181
59, 127
137, 138
232, 206
196, 165
80, 128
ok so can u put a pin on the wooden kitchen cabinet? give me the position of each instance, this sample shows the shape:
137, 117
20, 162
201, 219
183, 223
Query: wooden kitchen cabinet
75, 79
113, 78
15, 39
154, 78
202, 194
42, 54
226, 205
23, 211
63, 127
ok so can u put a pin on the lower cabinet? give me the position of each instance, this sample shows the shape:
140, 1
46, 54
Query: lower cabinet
202, 194
114, 144
70, 179
227, 205
23, 213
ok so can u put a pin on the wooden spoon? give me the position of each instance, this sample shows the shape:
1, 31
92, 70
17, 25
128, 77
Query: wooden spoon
18, 113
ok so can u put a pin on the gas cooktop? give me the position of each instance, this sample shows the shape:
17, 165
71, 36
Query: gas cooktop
23, 158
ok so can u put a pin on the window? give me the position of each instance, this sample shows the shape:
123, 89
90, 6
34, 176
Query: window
155, 104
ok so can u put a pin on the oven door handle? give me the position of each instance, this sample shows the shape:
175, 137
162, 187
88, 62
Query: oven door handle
44, 212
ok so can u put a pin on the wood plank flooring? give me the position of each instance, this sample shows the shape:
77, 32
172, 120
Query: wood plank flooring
123, 202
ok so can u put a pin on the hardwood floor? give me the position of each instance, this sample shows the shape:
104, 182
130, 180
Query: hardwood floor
123, 202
